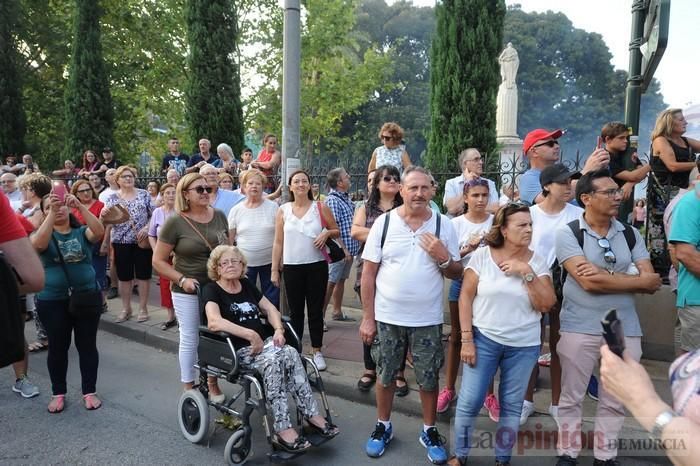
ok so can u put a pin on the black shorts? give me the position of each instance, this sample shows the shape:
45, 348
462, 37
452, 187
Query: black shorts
132, 261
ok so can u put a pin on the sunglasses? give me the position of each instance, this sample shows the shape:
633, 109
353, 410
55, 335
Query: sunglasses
548, 144
387, 138
201, 189
390, 178
608, 255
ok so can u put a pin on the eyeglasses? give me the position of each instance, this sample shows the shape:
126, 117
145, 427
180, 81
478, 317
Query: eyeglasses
86, 190
387, 138
7, 181
227, 262
548, 144
390, 178
478, 160
610, 193
201, 189
127, 177
608, 256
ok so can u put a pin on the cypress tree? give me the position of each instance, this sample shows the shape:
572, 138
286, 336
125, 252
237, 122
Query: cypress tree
213, 89
89, 116
12, 118
464, 79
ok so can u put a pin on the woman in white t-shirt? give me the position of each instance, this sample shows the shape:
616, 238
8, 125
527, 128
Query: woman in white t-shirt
252, 228
506, 287
548, 216
471, 227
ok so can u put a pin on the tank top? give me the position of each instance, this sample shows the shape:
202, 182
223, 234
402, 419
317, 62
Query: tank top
299, 235
667, 177
386, 156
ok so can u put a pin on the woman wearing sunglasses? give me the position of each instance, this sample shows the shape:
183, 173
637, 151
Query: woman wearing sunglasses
393, 151
190, 235
130, 260
505, 289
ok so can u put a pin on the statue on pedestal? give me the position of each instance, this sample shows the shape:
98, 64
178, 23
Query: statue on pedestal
507, 100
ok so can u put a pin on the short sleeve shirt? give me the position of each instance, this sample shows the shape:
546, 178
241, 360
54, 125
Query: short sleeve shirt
139, 213
191, 253
77, 254
157, 220
582, 311
530, 186
685, 228
240, 308
455, 187
10, 228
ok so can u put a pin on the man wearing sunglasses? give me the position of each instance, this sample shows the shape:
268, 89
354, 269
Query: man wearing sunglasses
541, 147
603, 272
472, 165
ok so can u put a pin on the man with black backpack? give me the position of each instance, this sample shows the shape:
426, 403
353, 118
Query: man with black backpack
605, 263
21, 272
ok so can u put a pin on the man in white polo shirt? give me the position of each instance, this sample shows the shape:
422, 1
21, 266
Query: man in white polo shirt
402, 295
472, 165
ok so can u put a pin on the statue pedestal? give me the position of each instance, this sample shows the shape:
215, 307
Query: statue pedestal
511, 162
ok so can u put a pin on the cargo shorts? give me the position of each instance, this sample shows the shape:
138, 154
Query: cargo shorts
425, 344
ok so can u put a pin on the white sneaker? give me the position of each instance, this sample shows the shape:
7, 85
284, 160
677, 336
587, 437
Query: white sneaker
528, 409
319, 361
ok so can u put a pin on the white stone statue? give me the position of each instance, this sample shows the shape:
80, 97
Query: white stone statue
509, 62
507, 100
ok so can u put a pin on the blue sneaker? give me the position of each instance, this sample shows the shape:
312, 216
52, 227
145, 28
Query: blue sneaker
378, 440
592, 389
435, 444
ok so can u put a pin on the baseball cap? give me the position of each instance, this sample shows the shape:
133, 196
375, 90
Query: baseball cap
537, 135
557, 173
107, 149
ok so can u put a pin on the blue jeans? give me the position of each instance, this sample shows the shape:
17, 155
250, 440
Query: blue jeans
516, 364
270, 291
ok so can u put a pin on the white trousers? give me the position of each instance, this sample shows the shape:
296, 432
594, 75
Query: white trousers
187, 313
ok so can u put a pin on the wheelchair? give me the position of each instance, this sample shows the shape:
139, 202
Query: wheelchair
217, 357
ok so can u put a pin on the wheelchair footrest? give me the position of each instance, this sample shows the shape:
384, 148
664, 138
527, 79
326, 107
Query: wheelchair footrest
281, 456
316, 439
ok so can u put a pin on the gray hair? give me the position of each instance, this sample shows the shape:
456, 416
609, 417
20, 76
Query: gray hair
207, 167
415, 168
466, 153
334, 177
226, 148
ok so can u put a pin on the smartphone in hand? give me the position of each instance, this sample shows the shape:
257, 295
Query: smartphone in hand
612, 332
60, 190
599, 143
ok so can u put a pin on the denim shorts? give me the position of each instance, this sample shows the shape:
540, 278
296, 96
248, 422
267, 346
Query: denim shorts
455, 288
339, 271
425, 344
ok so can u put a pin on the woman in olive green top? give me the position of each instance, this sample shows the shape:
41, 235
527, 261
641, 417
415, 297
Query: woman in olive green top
190, 236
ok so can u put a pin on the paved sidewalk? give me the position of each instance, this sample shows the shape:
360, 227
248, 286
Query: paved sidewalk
343, 352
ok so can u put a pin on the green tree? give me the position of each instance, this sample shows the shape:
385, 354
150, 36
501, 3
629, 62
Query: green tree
213, 88
88, 103
464, 79
12, 117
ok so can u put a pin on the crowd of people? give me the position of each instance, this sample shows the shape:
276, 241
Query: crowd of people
551, 253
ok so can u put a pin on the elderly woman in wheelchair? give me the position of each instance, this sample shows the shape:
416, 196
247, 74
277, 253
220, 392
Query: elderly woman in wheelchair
234, 305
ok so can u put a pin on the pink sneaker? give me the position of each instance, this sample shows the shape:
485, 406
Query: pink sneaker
493, 408
445, 397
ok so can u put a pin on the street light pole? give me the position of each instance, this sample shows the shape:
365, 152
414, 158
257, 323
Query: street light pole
633, 96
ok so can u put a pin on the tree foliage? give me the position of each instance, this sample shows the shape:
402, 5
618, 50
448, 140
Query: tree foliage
464, 79
12, 117
88, 102
213, 88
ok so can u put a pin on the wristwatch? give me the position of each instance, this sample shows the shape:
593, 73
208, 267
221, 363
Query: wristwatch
529, 277
660, 423
444, 265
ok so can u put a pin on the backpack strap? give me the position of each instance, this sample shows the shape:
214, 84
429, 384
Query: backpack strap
385, 229
437, 225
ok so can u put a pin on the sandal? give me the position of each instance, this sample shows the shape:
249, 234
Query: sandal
364, 386
91, 401
297, 446
123, 317
38, 346
327, 431
168, 324
57, 404
401, 390
143, 317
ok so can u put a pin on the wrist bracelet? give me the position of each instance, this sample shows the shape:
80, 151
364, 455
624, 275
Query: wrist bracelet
181, 281
279, 328
466, 331
467, 341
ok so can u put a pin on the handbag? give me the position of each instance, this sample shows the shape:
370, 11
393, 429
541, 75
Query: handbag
81, 304
332, 252
114, 215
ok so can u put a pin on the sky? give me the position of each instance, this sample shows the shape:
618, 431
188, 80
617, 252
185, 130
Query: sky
679, 70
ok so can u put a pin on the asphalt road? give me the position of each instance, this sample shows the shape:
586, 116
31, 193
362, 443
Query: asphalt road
138, 421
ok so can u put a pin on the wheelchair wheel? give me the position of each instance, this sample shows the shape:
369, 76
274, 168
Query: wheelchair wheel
193, 416
238, 448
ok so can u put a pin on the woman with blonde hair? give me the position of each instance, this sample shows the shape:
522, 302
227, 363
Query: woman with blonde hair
131, 260
189, 236
673, 158
393, 151
252, 228
234, 305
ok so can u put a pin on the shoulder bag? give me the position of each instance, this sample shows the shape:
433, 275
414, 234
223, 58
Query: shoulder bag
332, 252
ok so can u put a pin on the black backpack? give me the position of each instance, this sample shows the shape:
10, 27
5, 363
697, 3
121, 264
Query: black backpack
11, 320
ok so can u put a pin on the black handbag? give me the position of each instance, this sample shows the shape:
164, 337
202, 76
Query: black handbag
81, 304
334, 253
